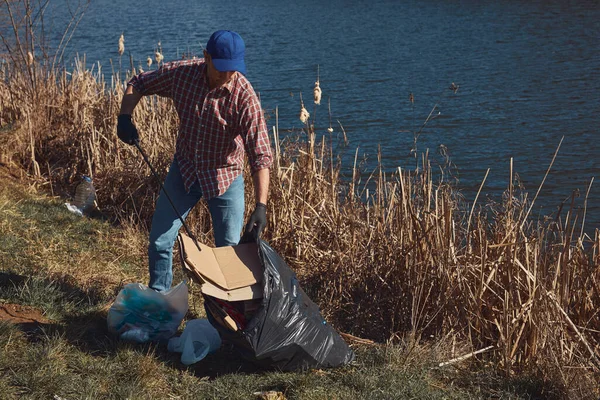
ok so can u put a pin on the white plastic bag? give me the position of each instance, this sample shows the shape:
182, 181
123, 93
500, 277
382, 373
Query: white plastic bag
142, 314
199, 338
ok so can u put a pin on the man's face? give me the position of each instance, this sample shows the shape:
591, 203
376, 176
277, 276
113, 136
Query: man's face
215, 77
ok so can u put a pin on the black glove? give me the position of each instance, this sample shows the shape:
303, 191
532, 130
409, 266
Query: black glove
126, 130
258, 219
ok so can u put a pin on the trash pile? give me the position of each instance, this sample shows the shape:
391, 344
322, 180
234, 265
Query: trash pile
255, 301
252, 299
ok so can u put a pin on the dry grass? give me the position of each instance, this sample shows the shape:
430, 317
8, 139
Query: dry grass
40, 239
400, 254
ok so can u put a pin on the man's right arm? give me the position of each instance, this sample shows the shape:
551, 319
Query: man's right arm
158, 82
126, 130
130, 99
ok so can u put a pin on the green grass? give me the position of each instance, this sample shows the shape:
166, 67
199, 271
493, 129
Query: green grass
67, 361
71, 268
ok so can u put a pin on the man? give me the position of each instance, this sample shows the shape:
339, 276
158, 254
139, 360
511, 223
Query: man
221, 120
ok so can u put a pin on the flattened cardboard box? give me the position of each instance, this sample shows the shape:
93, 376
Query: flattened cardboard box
245, 293
230, 273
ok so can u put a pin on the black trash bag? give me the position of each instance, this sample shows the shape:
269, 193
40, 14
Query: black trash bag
287, 332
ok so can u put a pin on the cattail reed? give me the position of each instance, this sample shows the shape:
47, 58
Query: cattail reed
317, 93
330, 129
149, 62
304, 114
121, 45
158, 56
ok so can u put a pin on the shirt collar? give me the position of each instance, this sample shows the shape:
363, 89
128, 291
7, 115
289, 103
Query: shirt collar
228, 86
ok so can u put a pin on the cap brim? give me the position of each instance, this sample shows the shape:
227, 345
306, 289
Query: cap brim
230, 65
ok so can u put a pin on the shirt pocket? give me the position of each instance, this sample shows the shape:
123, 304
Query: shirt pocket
223, 126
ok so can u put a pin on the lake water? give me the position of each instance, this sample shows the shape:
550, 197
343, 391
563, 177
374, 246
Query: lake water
527, 74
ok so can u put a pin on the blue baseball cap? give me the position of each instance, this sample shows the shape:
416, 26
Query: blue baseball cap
227, 50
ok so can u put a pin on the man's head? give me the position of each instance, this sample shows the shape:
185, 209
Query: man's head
227, 50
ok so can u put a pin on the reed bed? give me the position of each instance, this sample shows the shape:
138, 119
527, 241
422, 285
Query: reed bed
401, 256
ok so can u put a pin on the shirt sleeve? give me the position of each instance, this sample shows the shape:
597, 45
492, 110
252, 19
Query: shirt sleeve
159, 81
255, 134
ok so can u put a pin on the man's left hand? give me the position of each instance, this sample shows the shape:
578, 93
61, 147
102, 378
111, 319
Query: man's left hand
258, 219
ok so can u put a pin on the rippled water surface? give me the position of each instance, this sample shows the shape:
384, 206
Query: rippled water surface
527, 74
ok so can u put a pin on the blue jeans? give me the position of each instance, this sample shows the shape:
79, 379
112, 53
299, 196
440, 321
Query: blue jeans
226, 211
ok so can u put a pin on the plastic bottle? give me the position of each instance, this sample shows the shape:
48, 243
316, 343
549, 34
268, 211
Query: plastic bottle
137, 335
85, 194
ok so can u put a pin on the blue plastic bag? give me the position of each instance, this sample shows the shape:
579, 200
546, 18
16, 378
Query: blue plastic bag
141, 314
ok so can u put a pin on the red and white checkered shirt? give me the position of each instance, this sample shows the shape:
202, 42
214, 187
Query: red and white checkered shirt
216, 126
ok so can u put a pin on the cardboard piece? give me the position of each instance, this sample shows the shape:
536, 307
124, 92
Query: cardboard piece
245, 293
230, 273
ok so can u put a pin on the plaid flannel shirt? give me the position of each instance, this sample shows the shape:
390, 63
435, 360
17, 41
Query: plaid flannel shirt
217, 127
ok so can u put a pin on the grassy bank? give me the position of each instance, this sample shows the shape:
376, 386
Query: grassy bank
71, 268
399, 258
